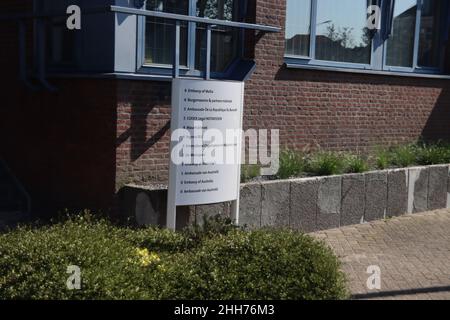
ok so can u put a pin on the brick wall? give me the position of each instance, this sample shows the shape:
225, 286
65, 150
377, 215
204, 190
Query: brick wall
79, 146
338, 111
61, 145
143, 137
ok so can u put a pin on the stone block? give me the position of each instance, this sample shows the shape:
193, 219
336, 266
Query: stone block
304, 196
329, 203
275, 204
397, 203
376, 195
211, 211
146, 215
437, 187
353, 199
147, 206
418, 189
250, 206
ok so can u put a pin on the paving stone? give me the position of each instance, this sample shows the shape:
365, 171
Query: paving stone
437, 187
418, 189
397, 203
329, 203
353, 199
304, 195
376, 195
250, 205
275, 204
414, 264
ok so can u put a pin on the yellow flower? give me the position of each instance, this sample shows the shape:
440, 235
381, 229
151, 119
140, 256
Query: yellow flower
162, 268
147, 258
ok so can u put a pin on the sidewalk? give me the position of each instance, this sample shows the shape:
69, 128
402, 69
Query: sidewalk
413, 253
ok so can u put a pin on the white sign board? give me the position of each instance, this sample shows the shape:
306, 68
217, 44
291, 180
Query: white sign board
206, 143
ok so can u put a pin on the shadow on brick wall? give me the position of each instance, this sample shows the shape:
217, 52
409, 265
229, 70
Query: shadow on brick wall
143, 131
437, 126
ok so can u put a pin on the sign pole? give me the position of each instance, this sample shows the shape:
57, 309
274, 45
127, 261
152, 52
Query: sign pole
171, 196
235, 204
171, 219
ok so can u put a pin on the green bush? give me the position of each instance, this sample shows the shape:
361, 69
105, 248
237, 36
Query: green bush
382, 158
404, 156
250, 172
256, 265
433, 154
355, 164
210, 227
325, 164
292, 164
216, 261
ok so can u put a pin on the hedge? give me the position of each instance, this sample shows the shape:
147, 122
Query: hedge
200, 263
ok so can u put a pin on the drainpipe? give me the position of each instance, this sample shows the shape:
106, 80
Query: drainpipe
23, 57
40, 51
40, 46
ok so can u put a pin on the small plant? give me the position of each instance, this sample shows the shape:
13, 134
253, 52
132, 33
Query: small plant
433, 154
325, 164
250, 172
291, 164
404, 156
355, 164
209, 228
382, 158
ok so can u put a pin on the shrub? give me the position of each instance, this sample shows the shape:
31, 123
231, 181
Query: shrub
217, 261
256, 265
249, 172
355, 164
382, 158
33, 263
325, 164
291, 164
404, 156
210, 227
433, 154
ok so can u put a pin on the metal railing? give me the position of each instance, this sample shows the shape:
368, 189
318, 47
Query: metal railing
177, 18
210, 24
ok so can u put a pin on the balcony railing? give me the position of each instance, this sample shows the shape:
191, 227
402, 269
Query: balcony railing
176, 18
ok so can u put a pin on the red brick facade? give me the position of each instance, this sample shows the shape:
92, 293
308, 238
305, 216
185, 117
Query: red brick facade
77, 147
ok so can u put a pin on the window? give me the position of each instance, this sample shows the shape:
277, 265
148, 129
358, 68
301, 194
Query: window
430, 29
340, 36
159, 34
298, 27
224, 40
335, 33
400, 45
330, 34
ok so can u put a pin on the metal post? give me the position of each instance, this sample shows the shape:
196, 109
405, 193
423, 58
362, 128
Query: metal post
208, 52
176, 62
235, 204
